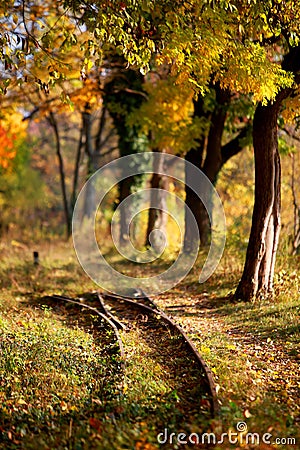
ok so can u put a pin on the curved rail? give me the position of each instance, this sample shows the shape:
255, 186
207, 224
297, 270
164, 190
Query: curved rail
155, 311
112, 321
150, 308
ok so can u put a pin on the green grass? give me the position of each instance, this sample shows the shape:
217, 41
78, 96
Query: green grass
60, 389
253, 349
52, 377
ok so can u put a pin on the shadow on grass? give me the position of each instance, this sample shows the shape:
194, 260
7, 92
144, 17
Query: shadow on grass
106, 419
262, 322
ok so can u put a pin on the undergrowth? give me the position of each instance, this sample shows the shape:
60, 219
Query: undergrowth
59, 389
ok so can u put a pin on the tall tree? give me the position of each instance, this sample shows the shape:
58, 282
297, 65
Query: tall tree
123, 94
238, 44
166, 116
157, 216
296, 231
210, 154
258, 274
96, 135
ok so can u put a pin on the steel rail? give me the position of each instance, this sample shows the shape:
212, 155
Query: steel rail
102, 315
214, 405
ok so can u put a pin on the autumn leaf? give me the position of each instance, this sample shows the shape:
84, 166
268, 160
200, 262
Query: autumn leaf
95, 423
7, 151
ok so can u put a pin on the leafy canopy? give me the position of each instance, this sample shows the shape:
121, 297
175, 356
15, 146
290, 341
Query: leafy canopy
239, 44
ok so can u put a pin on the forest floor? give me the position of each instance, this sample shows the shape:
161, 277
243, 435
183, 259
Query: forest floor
57, 390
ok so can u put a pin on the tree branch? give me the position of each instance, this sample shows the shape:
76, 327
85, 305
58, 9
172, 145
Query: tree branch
30, 115
291, 134
235, 146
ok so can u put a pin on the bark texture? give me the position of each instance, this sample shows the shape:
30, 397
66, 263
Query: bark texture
257, 278
195, 157
157, 217
296, 232
258, 274
192, 201
122, 95
216, 155
89, 203
52, 121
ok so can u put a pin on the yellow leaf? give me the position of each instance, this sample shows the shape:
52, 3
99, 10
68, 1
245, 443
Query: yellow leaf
89, 64
63, 406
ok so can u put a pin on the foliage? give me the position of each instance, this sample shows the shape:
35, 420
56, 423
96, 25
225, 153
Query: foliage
12, 131
7, 151
21, 187
67, 369
255, 74
290, 110
123, 93
39, 45
166, 116
236, 43
54, 57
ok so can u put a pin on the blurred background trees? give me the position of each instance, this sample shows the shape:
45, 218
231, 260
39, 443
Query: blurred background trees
91, 81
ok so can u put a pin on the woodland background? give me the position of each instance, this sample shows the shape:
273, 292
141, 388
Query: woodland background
215, 82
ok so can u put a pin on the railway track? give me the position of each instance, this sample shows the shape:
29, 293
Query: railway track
189, 374
196, 386
101, 324
191, 387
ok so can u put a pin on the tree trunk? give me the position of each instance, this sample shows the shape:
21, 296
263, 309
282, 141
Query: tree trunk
257, 278
124, 192
213, 160
76, 172
157, 217
193, 202
89, 204
296, 231
53, 123
258, 274
211, 167
123, 94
